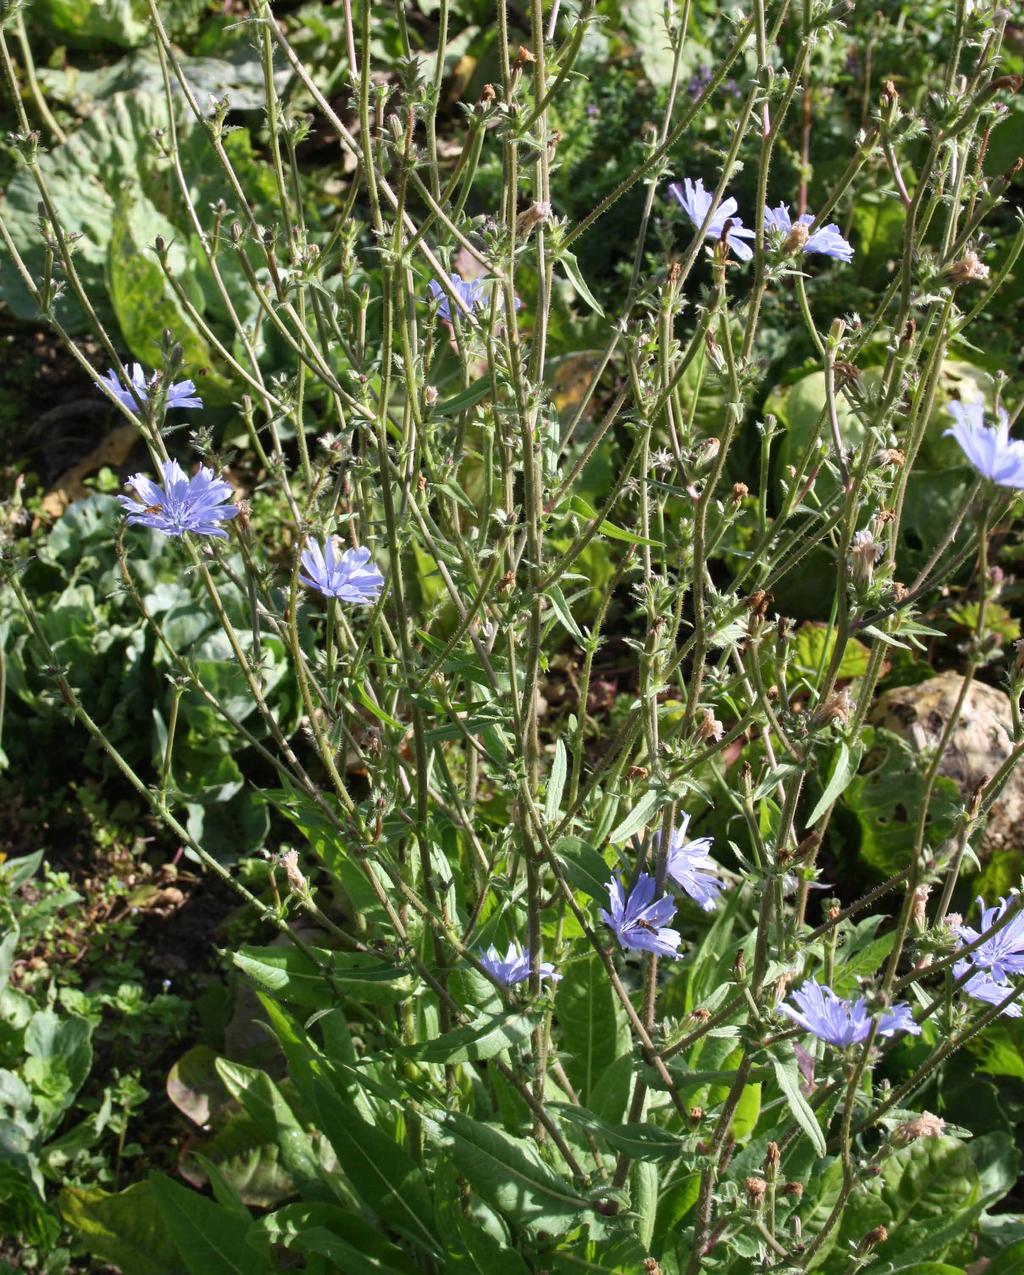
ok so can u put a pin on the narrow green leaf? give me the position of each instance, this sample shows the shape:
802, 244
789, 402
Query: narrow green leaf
556, 784
640, 1141
788, 1075
466, 398
561, 609
572, 269
843, 770
637, 818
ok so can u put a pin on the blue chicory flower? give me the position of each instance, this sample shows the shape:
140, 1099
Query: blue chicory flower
474, 292
826, 239
182, 504
695, 202
842, 1022
180, 394
981, 986
639, 921
350, 576
691, 867
1002, 954
990, 449
515, 967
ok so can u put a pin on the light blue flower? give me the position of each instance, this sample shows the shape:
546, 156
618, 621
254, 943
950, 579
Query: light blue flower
1002, 954
842, 1022
695, 202
180, 394
515, 967
826, 239
350, 576
691, 867
475, 293
981, 986
989, 448
640, 922
183, 504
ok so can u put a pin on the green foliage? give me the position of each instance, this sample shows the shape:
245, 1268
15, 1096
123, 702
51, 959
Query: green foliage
643, 576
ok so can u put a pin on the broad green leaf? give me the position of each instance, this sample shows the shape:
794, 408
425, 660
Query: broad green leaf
788, 1075
266, 1106
337, 1234
886, 801
483, 1038
380, 1171
594, 1028
1009, 1262
124, 1228
211, 1240
141, 296
288, 973
641, 1141
508, 1173
194, 1086
927, 1196
584, 867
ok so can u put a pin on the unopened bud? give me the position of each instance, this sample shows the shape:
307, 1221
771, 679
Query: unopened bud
759, 602
871, 1241
755, 1189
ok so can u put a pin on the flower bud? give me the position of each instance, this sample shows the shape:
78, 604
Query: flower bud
755, 1189
871, 1241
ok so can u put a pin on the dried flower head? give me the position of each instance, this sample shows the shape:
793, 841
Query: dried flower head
923, 1126
969, 269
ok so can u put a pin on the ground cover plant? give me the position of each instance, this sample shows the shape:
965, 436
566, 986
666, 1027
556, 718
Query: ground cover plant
511, 695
